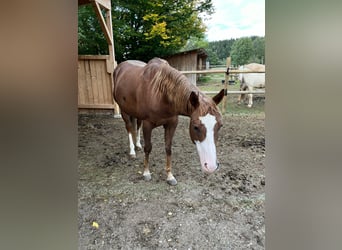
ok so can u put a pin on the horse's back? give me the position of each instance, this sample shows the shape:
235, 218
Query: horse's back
255, 67
126, 79
256, 80
127, 72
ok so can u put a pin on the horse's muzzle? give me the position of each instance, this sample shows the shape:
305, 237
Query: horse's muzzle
210, 170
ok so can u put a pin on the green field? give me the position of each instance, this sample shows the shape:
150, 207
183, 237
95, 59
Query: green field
213, 82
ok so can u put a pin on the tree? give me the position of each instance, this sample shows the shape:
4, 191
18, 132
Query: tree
219, 50
195, 43
259, 49
91, 39
145, 29
242, 50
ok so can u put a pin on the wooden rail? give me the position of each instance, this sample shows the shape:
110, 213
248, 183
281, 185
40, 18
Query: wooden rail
237, 92
213, 71
227, 72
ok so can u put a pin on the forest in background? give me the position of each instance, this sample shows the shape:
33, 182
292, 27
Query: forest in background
146, 29
241, 50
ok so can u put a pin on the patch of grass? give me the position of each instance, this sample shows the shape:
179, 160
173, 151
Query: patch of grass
209, 79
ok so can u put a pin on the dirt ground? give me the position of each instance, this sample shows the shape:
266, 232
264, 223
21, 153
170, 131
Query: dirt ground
119, 210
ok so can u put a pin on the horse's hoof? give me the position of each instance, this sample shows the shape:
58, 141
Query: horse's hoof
172, 182
147, 177
132, 156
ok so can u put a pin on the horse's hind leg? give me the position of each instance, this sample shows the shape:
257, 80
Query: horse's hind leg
170, 129
250, 98
147, 132
137, 143
131, 130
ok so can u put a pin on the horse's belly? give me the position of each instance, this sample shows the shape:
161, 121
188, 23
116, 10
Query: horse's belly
259, 85
255, 80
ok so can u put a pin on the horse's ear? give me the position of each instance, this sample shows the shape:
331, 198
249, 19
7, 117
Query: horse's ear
194, 100
218, 98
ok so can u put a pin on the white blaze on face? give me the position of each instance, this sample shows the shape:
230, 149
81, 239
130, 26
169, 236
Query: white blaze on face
206, 149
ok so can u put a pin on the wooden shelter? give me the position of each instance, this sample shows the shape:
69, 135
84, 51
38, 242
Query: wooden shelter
95, 72
189, 60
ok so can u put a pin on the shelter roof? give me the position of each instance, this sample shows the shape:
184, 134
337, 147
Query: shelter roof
104, 3
200, 52
82, 2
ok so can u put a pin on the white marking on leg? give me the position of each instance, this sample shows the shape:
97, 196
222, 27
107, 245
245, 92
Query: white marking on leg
171, 179
138, 139
131, 145
207, 149
250, 98
147, 175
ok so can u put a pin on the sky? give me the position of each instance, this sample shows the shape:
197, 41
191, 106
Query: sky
235, 19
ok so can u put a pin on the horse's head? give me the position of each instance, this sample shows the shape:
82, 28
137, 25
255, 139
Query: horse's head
205, 123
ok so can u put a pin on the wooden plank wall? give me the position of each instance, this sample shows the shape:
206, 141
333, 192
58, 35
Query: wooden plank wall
183, 62
94, 83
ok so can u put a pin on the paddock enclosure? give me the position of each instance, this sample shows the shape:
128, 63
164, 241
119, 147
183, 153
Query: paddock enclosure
118, 209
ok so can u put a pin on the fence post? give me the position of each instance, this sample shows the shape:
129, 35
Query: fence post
226, 81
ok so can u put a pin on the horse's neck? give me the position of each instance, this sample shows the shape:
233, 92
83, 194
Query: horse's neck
176, 90
178, 98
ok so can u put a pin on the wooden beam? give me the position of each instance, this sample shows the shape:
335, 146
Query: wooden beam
103, 24
104, 3
93, 57
96, 106
236, 92
111, 60
212, 71
226, 79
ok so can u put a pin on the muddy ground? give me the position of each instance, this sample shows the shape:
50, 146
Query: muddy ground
119, 210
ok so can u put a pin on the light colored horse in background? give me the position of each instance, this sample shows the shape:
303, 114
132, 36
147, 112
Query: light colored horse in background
249, 81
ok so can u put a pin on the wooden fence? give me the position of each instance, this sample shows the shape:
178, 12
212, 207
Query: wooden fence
228, 72
231, 72
95, 82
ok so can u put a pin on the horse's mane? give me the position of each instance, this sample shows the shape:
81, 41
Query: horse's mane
167, 82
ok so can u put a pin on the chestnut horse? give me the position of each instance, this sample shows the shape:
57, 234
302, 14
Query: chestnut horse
154, 94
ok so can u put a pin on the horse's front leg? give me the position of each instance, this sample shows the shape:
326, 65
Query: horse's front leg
130, 127
170, 129
250, 98
240, 97
147, 132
